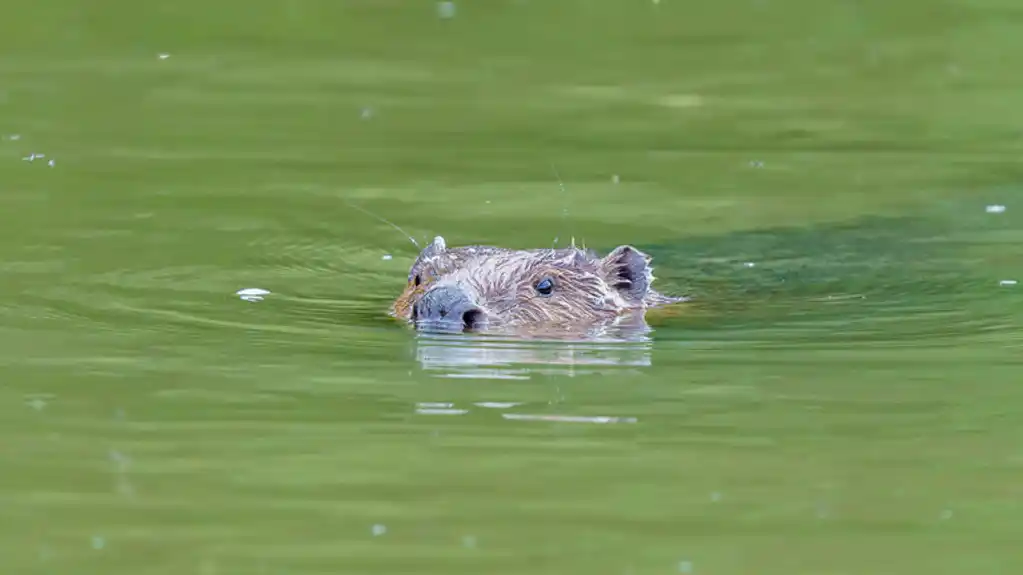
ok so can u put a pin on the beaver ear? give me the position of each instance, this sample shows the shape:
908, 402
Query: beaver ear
435, 248
628, 271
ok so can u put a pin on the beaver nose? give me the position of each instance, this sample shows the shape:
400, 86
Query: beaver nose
448, 305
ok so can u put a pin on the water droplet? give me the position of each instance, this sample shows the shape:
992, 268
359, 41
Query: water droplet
749, 264
685, 566
163, 56
446, 9
98, 542
51, 163
379, 530
387, 257
994, 209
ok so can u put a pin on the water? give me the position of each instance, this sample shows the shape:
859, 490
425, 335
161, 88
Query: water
842, 396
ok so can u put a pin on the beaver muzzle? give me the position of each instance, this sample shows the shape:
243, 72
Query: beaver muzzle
449, 307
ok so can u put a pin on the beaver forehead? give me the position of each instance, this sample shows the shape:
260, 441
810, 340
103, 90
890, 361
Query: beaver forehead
483, 262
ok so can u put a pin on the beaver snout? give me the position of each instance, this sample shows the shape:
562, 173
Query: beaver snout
448, 305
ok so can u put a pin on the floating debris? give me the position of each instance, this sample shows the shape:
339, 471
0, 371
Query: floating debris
379, 530
995, 209
446, 9
1005, 283
569, 418
252, 294
51, 163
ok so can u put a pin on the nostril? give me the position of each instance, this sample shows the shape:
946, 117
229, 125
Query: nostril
472, 318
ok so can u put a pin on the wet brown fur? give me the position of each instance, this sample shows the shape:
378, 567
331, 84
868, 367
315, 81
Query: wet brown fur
588, 289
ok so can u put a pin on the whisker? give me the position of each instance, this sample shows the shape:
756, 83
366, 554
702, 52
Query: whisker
388, 222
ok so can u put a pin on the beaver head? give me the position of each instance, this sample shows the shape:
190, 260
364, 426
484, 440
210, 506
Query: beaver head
485, 287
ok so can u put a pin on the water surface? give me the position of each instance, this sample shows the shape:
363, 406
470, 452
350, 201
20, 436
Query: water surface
842, 396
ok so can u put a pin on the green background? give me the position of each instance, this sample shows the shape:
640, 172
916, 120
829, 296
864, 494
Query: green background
848, 404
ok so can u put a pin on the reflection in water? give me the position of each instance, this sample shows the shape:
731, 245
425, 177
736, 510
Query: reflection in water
625, 344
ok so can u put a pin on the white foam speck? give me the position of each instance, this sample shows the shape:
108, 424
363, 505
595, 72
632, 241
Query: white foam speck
51, 163
252, 294
387, 257
1007, 283
163, 56
749, 264
446, 9
379, 530
994, 209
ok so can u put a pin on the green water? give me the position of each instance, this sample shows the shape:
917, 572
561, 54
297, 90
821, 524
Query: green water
843, 396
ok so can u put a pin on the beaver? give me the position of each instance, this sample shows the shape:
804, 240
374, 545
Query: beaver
487, 288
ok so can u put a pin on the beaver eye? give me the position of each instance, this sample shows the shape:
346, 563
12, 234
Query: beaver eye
418, 280
545, 286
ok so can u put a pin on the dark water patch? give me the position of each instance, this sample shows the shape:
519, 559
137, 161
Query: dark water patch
874, 277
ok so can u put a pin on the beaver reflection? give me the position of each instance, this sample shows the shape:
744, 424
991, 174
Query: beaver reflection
485, 288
